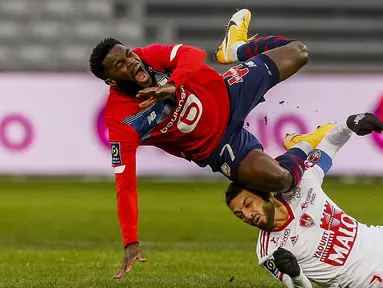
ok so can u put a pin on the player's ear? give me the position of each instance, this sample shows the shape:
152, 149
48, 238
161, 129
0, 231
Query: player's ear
110, 82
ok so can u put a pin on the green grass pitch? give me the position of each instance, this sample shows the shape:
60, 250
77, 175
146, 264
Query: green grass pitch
59, 233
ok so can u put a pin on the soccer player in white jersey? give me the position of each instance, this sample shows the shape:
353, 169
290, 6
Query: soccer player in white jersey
304, 235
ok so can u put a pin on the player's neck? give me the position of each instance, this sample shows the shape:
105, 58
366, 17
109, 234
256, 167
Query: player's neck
281, 213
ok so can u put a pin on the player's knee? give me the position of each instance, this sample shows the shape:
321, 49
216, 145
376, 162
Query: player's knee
271, 180
301, 51
280, 180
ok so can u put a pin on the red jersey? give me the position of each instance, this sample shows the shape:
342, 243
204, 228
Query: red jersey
188, 124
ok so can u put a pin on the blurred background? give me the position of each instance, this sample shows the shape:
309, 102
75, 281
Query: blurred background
56, 185
57, 35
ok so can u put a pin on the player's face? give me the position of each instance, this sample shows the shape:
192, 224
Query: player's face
123, 66
253, 210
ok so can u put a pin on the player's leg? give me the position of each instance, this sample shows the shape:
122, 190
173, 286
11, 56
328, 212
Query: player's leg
250, 80
258, 171
240, 158
237, 47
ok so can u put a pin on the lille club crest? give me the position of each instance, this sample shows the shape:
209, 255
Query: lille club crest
306, 221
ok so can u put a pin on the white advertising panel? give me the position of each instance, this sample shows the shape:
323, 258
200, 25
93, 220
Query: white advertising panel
53, 124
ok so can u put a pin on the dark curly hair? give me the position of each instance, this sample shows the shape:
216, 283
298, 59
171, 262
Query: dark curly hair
98, 55
235, 189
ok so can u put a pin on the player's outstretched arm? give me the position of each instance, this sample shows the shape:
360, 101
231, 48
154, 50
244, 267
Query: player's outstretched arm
127, 209
283, 265
124, 142
360, 124
287, 264
289, 58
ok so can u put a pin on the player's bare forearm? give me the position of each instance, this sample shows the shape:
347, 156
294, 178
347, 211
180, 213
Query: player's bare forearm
289, 58
360, 124
128, 217
127, 196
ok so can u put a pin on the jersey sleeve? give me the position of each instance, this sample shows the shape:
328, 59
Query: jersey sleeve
265, 259
320, 160
181, 60
297, 282
124, 141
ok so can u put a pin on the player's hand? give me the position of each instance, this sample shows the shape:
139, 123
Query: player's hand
286, 262
156, 94
364, 124
132, 253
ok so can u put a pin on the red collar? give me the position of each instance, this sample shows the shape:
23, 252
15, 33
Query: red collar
289, 220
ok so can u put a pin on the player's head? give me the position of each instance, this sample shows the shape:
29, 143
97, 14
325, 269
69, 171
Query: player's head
253, 208
119, 66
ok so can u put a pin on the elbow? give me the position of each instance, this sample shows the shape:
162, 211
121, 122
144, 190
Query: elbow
301, 52
282, 181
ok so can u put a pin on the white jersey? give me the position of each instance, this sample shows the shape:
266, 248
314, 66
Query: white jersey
332, 248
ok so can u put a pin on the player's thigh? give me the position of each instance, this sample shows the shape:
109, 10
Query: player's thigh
232, 150
247, 84
259, 171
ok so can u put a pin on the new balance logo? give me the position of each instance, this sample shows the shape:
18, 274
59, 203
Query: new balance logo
152, 116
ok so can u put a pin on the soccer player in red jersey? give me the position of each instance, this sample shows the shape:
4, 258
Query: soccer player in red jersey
165, 96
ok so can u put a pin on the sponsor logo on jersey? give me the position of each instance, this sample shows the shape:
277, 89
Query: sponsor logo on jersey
286, 235
294, 239
295, 194
188, 118
310, 199
306, 221
116, 153
338, 238
275, 240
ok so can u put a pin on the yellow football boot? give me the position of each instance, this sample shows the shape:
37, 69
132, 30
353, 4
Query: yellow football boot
313, 138
235, 36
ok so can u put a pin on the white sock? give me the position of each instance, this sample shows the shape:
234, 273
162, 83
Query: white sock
304, 146
335, 139
234, 49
